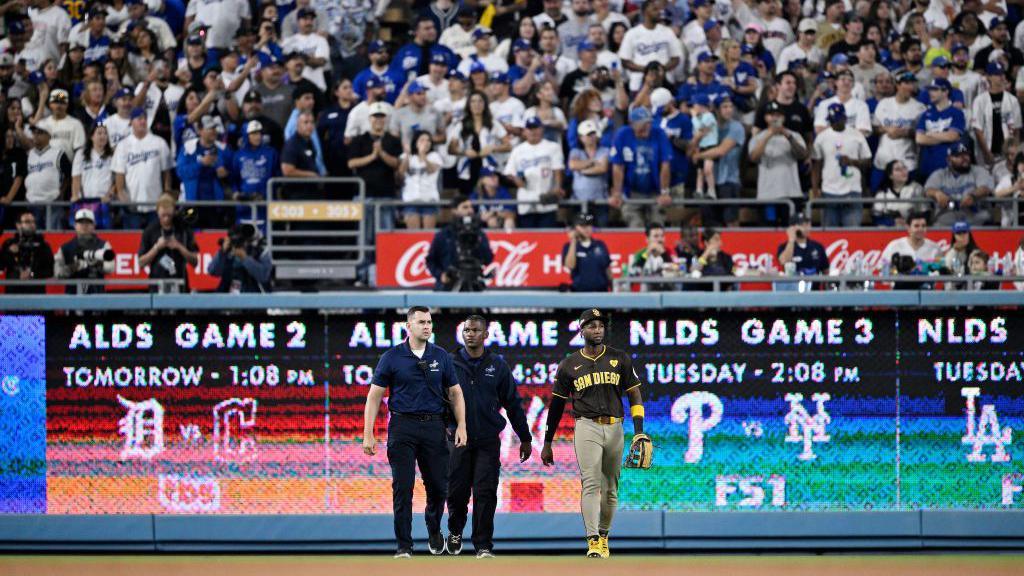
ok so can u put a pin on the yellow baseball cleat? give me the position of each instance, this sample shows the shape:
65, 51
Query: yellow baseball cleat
593, 547
603, 543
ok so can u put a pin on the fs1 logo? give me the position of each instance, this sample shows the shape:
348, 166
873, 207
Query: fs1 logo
985, 430
802, 427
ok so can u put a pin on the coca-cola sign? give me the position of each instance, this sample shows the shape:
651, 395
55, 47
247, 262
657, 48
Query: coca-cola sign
533, 259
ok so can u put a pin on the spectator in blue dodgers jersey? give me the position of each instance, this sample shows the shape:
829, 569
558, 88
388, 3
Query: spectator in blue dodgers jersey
959, 189
379, 68
641, 158
679, 129
589, 166
703, 82
252, 167
587, 258
839, 153
413, 59
938, 129
203, 165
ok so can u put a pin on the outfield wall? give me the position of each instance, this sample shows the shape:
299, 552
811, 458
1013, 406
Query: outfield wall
883, 420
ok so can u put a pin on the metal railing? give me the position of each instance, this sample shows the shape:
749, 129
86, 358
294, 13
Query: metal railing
163, 285
930, 203
254, 207
841, 282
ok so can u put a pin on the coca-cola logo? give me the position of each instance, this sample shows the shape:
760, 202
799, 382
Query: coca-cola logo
510, 268
411, 269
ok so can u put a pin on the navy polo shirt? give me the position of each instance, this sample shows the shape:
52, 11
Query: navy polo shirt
591, 271
810, 259
415, 390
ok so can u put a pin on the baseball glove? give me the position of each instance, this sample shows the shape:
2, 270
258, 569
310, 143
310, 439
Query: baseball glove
641, 452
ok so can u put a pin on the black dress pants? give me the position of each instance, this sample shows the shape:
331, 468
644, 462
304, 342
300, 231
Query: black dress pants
412, 441
474, 469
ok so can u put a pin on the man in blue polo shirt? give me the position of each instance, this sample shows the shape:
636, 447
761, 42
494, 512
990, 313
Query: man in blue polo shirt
587, 258
641, 157
420, 375
704, 81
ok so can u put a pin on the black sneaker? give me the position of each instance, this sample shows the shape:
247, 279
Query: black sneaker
453, 545
403, 553
436, 544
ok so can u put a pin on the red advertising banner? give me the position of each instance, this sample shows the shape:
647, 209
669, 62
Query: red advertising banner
126, 246
533, 259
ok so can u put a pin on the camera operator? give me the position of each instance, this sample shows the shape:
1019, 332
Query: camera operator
86, 256
26, 256
243, 262
912, 254
168, 246
460, 251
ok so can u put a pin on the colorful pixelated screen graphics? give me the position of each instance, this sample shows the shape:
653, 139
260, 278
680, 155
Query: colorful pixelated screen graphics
22, 415
200, 415
961, 380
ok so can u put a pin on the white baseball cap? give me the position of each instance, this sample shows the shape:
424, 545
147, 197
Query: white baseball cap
588, 127
85, 214
379, 109
660, 97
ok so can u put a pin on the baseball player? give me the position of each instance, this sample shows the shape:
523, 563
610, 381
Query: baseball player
595, 377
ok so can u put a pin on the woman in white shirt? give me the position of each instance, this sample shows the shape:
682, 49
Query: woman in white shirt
1010, 186
474, 139
421, 168
91, 177
92, 181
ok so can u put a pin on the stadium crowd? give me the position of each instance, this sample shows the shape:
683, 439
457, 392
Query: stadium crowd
628, 108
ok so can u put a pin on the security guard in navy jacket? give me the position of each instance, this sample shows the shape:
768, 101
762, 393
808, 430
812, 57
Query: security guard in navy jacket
489, 387
420, 376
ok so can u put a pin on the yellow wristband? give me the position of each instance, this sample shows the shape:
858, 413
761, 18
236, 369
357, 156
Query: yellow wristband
637, 411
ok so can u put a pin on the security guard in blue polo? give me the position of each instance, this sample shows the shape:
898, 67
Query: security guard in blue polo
489, 387
423, 383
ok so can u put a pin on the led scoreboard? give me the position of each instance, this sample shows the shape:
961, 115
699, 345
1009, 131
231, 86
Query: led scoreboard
773, 410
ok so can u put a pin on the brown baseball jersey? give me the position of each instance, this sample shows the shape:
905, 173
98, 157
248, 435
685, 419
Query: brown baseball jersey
596, 384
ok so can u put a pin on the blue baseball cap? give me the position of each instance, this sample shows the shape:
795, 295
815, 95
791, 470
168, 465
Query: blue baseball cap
836, 112
487, 170
699, 3
306, 13
997, 22
746, 49
482, 32
706, 56
840, 60
476, 67
797, 63
940, 61
701, 99
534, 122
438, 58
639, 114
456, 75
16, 26
940, 84
415, 88
499, 78
711, 23
377, 46
995, 68
958, 148
374, 82
137, 112
521, 45
961, 227
195, 41
585, 45
122, 93
959, 47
